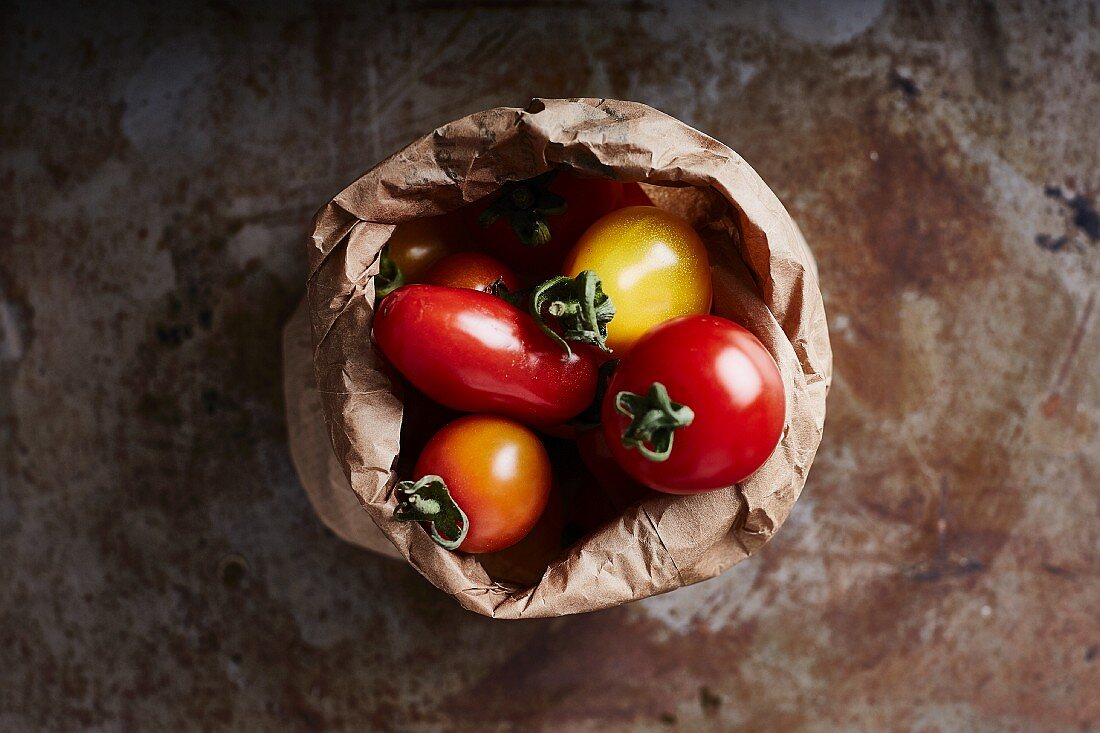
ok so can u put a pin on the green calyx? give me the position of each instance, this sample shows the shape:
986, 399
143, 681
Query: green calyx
428, 500
389, 277
654, 419
526, 204
580, 306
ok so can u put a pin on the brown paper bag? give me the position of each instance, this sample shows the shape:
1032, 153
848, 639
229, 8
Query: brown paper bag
764, 278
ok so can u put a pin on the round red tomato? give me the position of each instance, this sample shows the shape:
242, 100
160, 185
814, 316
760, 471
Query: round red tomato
698, 404
471, 270
475, 352
496, 472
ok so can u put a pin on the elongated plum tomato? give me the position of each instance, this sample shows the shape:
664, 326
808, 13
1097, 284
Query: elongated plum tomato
471, 270
474, 352
498, 473
653, 266
697, 405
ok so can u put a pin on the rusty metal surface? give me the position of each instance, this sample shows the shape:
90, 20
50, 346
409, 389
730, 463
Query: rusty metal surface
161, 566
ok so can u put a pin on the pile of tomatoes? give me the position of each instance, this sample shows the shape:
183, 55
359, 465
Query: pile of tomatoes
564, 309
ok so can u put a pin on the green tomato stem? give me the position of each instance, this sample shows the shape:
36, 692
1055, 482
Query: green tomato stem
654, 419
428, 500
526, 204
580, 305
389, 277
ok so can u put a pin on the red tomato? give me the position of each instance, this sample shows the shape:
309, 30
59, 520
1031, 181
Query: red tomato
721, 373
586, 200
498, 474
475, 352
620, 488
471, 270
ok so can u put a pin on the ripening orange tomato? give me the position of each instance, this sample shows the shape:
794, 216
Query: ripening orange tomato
652, 265
471, 270
496, 471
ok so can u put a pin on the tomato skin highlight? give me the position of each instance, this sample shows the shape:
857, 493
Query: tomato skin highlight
726, 376
651, 263
497, 471
471, 270
474, 352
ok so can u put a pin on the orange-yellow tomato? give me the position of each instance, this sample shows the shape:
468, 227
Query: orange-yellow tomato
653, 266
418, 244
496, 471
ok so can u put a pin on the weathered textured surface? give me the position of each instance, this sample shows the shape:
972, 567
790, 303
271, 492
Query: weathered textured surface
162, 568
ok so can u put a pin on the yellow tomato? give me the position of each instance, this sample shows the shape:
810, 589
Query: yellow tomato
653, 266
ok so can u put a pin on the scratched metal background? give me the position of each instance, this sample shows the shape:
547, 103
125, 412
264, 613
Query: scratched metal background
161, 567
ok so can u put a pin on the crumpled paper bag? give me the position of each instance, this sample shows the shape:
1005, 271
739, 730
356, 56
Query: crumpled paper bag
764, 278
